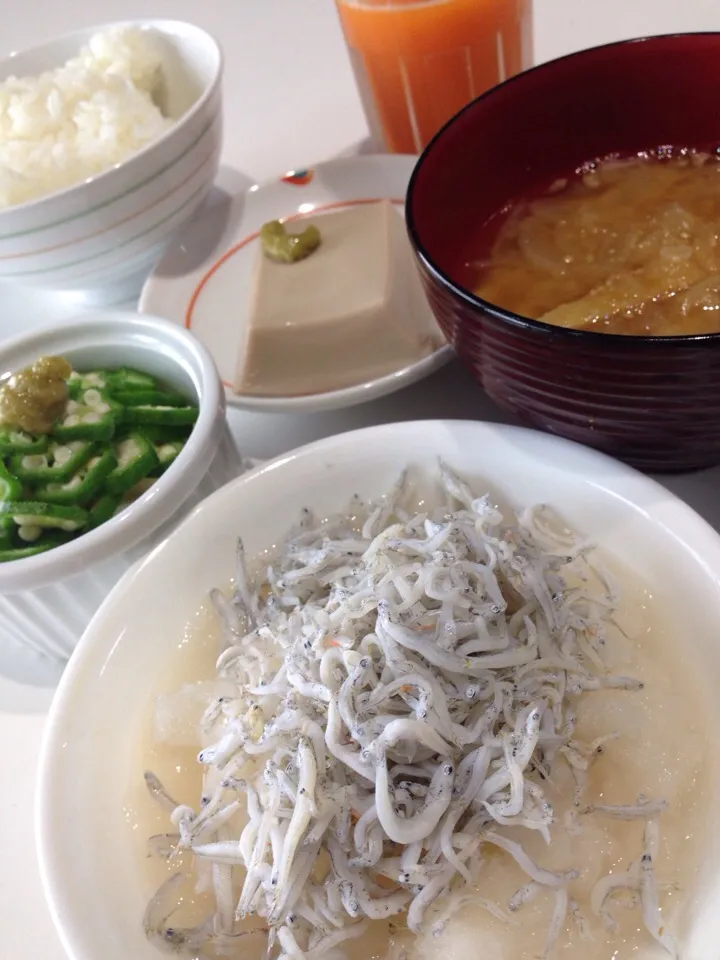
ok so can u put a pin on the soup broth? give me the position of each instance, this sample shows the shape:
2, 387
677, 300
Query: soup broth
624, 246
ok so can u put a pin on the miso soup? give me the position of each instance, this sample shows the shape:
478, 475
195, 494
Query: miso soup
624, 245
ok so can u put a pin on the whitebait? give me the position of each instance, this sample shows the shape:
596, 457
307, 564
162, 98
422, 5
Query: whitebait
649, 893
159, 793
546, 878
639, 885
557, 923
579, 919
524, 895
393, 692
642, 810
608, 887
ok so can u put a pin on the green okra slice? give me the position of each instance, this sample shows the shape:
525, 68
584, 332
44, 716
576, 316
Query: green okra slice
35, 513
31, 549
60, 462
91, 379
6, 526
136, 491
103, 509
125, 378
11, 487
136, 458
159, 433
93, 416
167, 453
17, 441
152, 398
160, 415
83, 486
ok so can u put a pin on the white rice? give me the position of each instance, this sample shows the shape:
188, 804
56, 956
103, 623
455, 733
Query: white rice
71, 123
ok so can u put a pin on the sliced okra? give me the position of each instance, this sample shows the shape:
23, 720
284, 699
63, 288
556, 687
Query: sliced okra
58, 463
29, 533
92, 379
137, 490
5, 529
152, 398
161, 414
84, 485
136, 458
93, 417
160, 434
17, 441
47, 542
125, 378
167, 453
11, 487
32, 513
103, 510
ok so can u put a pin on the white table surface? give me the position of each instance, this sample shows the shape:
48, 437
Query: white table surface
271, 127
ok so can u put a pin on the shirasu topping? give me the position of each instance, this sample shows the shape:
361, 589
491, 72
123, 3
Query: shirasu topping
398, 696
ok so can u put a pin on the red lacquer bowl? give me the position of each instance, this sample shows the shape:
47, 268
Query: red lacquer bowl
652, 401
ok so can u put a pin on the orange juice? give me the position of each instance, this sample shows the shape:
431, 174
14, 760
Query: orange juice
417, 62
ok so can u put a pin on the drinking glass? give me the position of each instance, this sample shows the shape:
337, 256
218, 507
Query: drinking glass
417, 62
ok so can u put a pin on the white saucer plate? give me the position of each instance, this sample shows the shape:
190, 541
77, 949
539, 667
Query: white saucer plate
203, 281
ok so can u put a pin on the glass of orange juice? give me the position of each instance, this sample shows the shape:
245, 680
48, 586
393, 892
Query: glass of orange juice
417, 62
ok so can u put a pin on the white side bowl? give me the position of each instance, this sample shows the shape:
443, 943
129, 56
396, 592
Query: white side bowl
91, 864
116, 224
47, 601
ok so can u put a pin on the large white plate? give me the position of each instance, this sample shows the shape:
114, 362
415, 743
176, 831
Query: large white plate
92, 873
203, 280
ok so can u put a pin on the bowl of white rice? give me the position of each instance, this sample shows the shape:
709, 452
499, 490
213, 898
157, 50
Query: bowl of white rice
109, 140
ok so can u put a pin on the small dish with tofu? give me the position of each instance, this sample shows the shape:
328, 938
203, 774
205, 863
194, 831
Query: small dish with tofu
306, 293
111, 428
